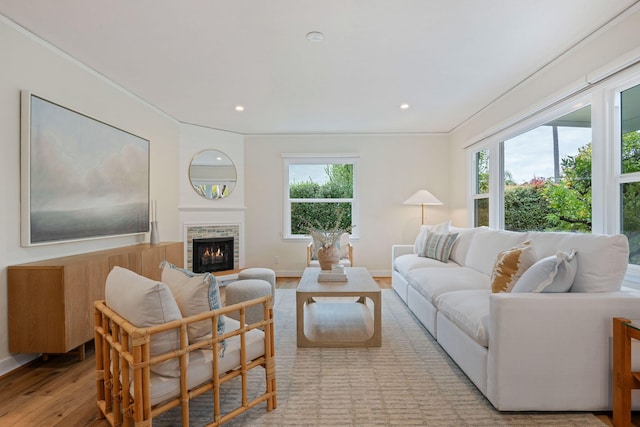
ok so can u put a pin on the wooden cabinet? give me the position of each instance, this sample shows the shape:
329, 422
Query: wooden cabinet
51, 301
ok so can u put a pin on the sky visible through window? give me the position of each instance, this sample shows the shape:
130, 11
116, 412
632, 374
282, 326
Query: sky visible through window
305, 173
530, 155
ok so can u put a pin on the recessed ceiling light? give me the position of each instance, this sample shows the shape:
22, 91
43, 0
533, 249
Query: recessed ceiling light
315, 36
239, 108
404, 106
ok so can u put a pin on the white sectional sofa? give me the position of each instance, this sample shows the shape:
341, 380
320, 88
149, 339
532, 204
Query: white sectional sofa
524, 351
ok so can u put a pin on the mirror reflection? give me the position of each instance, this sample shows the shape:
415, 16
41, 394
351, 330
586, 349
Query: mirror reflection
212, 174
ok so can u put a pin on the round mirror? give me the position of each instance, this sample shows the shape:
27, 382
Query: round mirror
212, 174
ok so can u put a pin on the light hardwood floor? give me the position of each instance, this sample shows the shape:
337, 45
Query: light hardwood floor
61, 391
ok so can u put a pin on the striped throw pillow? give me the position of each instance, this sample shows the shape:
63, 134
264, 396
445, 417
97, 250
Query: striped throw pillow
438, 246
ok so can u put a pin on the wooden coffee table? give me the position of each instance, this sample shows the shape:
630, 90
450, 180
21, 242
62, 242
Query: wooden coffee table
325, 319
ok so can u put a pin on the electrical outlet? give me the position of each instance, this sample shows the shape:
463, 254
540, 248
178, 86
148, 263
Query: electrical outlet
276, 260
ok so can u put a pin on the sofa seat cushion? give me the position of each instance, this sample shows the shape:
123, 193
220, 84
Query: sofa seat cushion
405, 263
432, 282
468, 310
200, 367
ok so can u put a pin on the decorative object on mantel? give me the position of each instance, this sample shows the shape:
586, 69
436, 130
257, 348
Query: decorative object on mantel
154, 239
422, 197
329, 253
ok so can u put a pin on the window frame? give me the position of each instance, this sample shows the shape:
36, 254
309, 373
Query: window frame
322, 159
613, 99
473, 184
604, 98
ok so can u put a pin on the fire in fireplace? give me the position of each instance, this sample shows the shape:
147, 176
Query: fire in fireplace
212, 254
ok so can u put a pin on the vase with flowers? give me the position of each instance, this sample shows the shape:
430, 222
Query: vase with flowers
327, 239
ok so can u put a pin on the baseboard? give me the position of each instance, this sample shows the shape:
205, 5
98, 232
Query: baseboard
15, 361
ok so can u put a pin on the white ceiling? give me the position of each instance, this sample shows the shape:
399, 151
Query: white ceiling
197, 60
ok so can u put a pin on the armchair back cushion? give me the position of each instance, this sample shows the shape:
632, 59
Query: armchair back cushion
144, 303
194, 294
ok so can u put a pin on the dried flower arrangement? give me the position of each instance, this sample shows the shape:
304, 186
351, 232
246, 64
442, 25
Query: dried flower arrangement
327, 238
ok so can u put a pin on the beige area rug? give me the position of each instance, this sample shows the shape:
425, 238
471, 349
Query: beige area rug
409, 381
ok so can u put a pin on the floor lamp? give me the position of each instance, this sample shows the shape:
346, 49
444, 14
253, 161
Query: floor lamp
422, 197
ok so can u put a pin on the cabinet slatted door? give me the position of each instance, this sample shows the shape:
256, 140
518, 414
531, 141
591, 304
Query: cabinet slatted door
50, 302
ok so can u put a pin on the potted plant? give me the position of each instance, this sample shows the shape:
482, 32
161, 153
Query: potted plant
327, 239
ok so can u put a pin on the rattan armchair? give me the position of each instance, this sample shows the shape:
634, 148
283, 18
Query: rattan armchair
128, 391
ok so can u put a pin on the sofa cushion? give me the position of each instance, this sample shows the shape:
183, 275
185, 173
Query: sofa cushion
461, 245
551, 274
145, 302
438, 246
418, 246
510, 265
405, 263
602, 259
468, 310
432, 282
194, 294
485, 246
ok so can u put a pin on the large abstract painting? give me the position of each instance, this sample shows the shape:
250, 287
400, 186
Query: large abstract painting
80, 178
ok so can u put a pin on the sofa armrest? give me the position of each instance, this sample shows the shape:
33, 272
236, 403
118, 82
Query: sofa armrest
544, 347
398, 250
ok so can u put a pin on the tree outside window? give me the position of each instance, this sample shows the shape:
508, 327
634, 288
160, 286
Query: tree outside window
547, 180
320, 191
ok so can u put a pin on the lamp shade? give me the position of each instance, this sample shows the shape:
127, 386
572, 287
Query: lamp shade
422, 197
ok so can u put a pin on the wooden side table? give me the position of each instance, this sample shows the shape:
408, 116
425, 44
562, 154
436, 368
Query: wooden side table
624, 380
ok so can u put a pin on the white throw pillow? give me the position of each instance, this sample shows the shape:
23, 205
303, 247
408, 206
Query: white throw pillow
145, 302
461, 245
195, 294
554, 273
442, 228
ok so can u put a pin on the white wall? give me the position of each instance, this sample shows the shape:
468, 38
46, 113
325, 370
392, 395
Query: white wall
29, 64
391, 168
562, 78
195, 209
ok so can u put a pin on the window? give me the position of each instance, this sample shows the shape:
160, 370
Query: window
481, 188
547, 176
319, 191
630, 170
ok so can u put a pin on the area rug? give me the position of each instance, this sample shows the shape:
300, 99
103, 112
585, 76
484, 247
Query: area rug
409, 381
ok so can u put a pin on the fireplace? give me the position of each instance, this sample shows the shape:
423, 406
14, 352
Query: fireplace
212, 254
